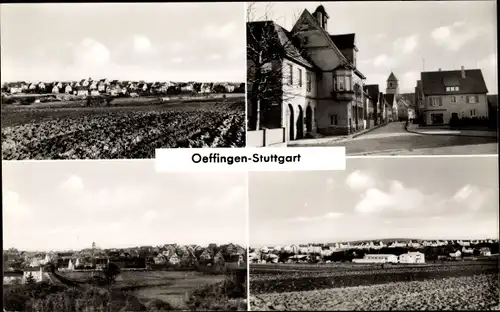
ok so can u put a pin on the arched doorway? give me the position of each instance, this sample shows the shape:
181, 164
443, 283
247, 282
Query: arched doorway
309, 118
300, 123
290, 125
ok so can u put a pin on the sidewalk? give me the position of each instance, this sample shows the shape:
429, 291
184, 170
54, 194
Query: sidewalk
331, 139
470, 133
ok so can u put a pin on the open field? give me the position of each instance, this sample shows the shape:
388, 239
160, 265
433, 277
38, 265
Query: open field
371, 287
120, 131
478, 292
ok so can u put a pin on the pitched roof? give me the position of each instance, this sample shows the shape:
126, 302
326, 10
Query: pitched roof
285, 39
344, 41
321, 9
389, 97
392, 77
373, 91
435, 83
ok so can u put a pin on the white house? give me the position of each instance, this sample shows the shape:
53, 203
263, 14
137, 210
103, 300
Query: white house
377, 258
412, 257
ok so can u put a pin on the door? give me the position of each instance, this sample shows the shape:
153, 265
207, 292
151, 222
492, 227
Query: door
437, 118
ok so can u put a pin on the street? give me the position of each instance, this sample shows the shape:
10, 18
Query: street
393, 139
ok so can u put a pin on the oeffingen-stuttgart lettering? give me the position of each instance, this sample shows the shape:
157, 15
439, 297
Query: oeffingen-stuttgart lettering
216, 158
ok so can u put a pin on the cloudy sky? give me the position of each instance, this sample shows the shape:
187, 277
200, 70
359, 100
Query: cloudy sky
428, 198
128, 41
397, 36
69, 205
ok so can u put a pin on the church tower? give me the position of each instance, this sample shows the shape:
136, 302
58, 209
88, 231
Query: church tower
392, 85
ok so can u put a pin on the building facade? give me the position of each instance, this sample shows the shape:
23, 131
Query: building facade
453, 94
377, 258
412, 257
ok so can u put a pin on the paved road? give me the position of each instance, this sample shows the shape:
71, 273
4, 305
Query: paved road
393, 139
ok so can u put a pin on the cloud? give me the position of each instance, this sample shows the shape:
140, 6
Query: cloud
142, 44
177, 60
381, 60
400, 201
327, 216
90, 52
219, 32
358, 180
12, 206
236, 54
150, 215
214, 57
454, 36
406, 45
73, 184
409, 80
224, 201
489, 62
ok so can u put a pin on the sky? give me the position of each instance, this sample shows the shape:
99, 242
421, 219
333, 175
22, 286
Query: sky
68, 205
377, 198
406, 36
127, 41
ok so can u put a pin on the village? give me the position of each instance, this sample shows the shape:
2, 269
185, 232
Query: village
94, 87
404, 252
18, 265
310, 90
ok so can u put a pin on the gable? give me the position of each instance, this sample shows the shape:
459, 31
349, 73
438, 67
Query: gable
307, 23
435, 83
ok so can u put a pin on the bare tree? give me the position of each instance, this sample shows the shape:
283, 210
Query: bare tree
269, 83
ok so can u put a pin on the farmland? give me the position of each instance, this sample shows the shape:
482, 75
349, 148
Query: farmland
125, 129
461, 285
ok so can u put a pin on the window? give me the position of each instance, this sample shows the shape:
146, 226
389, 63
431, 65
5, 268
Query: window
452, 89
341, 83
453, 99
300, 78
473, 113
333, 120
348, 83
306, 40
472, 99
308, 81
390, 84
290, 74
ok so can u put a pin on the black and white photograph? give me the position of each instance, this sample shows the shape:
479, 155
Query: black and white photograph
388, 233
119, 80
378, 77
118, 236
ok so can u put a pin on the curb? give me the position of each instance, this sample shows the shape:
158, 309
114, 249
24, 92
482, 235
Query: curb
341, 138
451, 134
366, 131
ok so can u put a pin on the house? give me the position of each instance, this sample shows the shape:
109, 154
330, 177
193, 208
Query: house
456, 254
419, 100
369, 110
37, 273
453, 94
11, 277
81, 91
374, 94
32, 87
174, 260
68, 89
94, 92
101, 86
55, 89
320, 89
467, 250
41, 87
377, 258
206, 88
14, 88
485, 251
402, 109
412, 257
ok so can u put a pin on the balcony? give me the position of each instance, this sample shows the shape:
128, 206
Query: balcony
347, 96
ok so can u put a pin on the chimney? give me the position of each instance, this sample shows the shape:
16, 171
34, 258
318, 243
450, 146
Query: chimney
463, 72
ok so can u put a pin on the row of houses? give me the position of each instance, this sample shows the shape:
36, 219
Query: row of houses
326, 249
115, 87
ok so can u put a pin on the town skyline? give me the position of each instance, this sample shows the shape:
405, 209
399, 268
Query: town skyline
398, 198
168, 46
446, 42
69, 205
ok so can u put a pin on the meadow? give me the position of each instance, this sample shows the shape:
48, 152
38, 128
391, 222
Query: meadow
127, 128
132, 291
460, 285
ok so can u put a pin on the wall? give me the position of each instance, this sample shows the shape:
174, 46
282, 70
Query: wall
326, 108
461, 107
298, 98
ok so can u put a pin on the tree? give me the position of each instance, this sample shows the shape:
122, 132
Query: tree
111, 271
268, 83
30, 280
